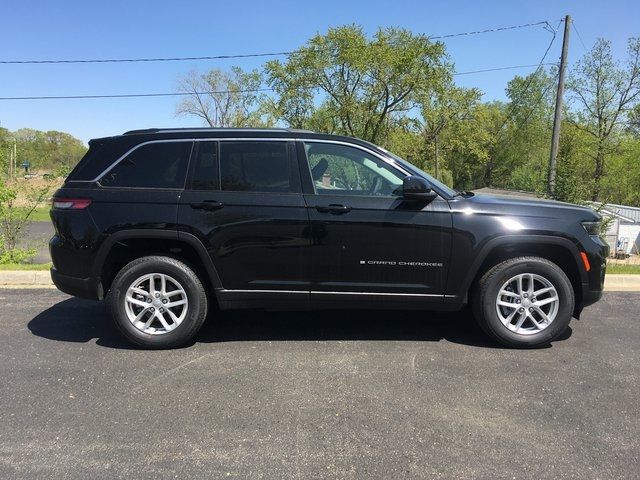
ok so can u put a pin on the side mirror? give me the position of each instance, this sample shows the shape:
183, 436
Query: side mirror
417, 189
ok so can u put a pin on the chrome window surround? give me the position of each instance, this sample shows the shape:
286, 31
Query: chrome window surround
386, 160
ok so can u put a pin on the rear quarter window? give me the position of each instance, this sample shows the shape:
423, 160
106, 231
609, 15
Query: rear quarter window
154, 165
102, 153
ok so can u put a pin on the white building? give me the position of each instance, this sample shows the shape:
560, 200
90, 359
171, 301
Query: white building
623, 232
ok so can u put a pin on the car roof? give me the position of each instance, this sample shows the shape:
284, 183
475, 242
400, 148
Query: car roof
148, 134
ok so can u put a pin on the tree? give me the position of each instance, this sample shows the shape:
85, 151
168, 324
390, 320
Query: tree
633, 125
520, 158
440, 107
223, 99
363, 84
603, 93
471, 144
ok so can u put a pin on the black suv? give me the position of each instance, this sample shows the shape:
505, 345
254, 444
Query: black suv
167, 224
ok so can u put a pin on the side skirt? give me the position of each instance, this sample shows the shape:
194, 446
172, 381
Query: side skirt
305, 300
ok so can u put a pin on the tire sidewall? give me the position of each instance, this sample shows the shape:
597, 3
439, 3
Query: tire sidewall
565, 309
181, 273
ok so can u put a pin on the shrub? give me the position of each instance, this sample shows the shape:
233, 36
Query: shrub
17, 203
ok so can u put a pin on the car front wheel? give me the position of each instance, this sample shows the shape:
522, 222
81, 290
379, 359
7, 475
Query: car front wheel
524, 302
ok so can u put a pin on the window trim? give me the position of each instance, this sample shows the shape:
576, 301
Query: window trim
133, 149
393, 165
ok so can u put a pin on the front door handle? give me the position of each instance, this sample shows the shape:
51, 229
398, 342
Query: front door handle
209, 205
334, 209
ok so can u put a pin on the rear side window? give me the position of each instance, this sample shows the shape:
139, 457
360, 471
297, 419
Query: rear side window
155, 165
257, 167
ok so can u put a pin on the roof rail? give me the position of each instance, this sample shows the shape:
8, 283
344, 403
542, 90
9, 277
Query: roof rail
141, 131
213, 129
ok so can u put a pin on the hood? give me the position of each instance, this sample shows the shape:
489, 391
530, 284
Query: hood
523, 206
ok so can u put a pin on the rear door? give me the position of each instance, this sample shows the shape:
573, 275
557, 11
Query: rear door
245, 204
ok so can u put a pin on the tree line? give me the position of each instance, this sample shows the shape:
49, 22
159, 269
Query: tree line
51, 152
397, 89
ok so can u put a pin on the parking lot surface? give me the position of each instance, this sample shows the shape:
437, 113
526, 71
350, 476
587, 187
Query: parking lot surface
315, 395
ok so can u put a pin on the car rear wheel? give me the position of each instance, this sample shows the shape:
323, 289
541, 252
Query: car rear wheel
158, 302
524, 302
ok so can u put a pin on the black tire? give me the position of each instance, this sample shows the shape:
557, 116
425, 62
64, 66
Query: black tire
486, 293
188, 279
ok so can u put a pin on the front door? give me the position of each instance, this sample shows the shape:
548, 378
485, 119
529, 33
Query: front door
246, 205
367, 239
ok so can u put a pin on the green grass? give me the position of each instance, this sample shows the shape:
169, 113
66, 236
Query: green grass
41, 214
25, 266
615, 268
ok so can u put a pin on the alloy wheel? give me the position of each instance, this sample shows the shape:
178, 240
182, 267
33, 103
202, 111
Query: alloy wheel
156, 303
527, 303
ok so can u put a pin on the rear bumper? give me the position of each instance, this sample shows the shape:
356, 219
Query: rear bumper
89, 288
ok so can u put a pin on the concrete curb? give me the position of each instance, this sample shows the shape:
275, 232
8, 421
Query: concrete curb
25, 278
42, 279
622, 283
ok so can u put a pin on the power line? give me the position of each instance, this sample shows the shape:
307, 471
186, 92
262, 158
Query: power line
575, 29
178, 94
141, 60
133, 95
514, 104
544, 23
537, 65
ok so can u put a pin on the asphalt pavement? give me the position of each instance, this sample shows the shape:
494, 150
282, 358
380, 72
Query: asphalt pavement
315, 395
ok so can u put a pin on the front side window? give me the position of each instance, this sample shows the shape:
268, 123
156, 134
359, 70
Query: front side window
255, 166
155, 165
343, 170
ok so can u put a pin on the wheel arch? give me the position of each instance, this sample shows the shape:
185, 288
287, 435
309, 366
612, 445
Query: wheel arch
125, 245
558, 250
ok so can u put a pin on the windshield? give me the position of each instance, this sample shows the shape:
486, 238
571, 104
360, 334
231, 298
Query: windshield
438, 184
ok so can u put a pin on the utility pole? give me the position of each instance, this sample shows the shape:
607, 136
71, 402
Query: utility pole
13, 153
557, 118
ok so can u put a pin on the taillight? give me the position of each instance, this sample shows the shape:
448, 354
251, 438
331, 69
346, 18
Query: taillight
71, 203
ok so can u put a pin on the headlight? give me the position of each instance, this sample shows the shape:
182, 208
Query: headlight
592, 229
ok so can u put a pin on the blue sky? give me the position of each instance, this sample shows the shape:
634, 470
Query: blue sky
121, 29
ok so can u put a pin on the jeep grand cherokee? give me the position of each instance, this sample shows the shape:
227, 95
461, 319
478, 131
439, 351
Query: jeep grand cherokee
168, 224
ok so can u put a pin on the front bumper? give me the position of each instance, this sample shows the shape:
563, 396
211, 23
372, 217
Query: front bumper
589, 297
89, 288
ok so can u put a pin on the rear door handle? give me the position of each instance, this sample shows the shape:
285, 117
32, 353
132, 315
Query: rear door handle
334, 209
210, 205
